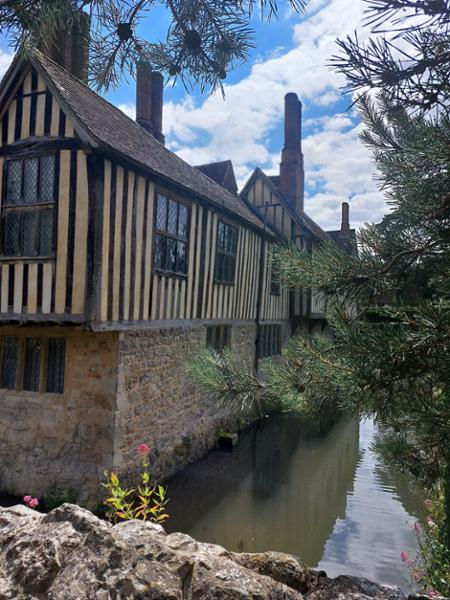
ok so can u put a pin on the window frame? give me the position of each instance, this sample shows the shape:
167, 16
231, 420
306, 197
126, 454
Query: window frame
226, 253
269, 340
221, 332
168, 235
43, 362
29, 207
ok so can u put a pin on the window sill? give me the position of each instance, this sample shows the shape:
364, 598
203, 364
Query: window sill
27, 394
26, 259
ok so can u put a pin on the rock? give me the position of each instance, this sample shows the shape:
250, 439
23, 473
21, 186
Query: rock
283, 568
70, 554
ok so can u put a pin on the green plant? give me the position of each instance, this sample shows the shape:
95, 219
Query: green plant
147, 502
430, 570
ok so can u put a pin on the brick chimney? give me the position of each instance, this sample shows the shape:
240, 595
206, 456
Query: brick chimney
149, 99
71, 50
292, 175
345, 222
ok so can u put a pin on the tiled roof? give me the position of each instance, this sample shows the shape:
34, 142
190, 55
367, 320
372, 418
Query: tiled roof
222, 173
110, 128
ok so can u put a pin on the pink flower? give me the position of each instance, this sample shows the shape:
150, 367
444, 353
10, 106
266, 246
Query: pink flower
27, 499
143, 450
33, 503
430, 522
404, 556
432, 593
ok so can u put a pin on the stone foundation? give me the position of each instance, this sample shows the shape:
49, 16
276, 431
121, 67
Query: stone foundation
54, 443
121, 389
158, 405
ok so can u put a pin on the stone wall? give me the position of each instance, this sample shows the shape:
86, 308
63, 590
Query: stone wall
64, 441
121, 389
158, 405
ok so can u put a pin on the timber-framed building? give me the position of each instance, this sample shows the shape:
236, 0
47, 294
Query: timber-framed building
118, 262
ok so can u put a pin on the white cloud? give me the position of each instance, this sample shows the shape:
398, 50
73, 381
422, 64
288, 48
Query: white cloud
337, 165
129, 109
5, 61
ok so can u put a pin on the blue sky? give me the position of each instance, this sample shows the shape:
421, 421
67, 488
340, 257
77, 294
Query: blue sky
291, 54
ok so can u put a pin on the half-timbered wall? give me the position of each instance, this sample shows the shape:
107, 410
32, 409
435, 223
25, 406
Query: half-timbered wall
102, 265
131, 289
55, 284
237, 300
274, 307
126, 245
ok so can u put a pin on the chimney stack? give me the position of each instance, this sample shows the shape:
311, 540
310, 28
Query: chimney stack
157, 105
144, 96
291, 167
345, 222
71, 49
149, 99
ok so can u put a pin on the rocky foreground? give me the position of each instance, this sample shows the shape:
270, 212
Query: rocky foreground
70, 554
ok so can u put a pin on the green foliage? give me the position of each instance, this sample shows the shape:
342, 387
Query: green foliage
231, 380
388, 304
204, 40
409, 61
295, 384
397, 350
430, 569
147, 502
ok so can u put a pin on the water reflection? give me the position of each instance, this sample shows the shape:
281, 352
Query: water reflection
325, 499
376, 526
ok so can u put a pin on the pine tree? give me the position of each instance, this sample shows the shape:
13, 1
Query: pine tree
389, 304
205, 38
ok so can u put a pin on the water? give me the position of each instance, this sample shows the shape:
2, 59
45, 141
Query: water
329, 499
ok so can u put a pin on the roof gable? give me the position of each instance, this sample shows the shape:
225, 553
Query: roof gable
29, 108
301, 219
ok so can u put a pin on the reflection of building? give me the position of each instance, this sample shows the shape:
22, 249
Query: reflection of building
118, 262
280, 489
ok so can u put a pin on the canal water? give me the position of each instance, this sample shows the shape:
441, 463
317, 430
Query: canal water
327, 499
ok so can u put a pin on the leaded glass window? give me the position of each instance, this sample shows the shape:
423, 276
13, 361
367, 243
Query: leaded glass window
227, 237
33, 364
171, 236
29, 207
55, 365
269, 340
10, 356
